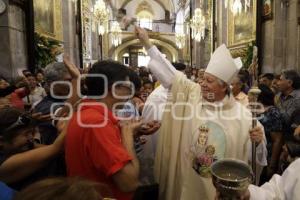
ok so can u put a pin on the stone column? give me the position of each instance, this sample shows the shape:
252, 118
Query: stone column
292, 36
221, 22
70, 37
13, 51
281, 38
272, 34
298, 34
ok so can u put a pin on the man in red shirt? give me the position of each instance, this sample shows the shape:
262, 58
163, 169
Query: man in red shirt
96, 147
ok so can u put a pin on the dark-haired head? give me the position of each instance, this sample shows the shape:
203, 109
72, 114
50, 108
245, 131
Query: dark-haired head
113, 71
57, 71
238, 84
136, 80
179, 66
148, 86
293, 76
266, 79
32, 81
143, 72
266, 97
3, 83
39, 76
269, 76
289, 81
16, 131
25, 72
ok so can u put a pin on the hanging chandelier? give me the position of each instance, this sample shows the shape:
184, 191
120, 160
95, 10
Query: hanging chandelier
236, 6
180, 40
101, 13
198, 25
116, 34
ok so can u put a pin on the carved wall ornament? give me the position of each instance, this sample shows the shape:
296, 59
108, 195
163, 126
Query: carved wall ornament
267, 12
86, 29
144, 6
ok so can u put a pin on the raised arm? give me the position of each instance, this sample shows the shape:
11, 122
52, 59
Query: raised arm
75, 74
22, 165
159, 65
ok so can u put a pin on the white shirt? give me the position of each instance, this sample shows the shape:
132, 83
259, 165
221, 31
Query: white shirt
164, 74
153, 110
35, 96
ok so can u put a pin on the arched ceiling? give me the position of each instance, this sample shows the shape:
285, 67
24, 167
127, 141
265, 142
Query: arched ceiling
166, 4
165, 44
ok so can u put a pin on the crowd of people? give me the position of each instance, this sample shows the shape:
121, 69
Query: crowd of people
119, 132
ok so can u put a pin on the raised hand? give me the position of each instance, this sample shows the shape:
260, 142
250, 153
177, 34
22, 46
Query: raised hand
149, 128
142, 34
73, 70
130, 126
297, 133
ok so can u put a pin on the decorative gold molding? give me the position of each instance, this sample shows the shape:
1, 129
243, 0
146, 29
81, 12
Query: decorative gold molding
115, 52
124, 4
57, 33
144, 6
86, 16
231, 31
240, 52
158, 39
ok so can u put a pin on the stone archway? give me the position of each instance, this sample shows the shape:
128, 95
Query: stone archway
167, 46
157, 1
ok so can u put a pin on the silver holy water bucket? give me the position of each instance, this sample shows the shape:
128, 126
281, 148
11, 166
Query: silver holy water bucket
231, 177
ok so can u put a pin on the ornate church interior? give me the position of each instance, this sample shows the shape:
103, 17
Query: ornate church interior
149, 99
185, 31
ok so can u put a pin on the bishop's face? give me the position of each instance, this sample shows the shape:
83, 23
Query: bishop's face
212, 89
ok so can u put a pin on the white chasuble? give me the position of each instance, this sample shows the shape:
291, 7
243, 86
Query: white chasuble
195, 133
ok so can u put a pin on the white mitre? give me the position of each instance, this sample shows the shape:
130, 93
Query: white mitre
222, 65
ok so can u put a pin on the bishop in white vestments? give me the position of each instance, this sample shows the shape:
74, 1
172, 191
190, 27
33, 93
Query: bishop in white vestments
201, 124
